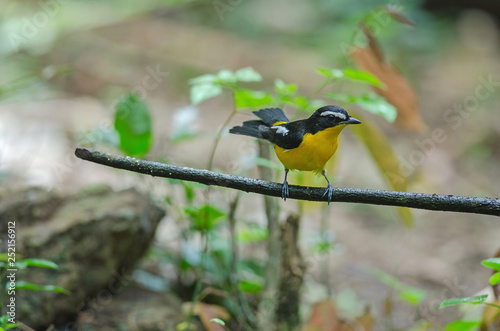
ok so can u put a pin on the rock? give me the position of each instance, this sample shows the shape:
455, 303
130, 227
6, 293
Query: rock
95, 238
135, 309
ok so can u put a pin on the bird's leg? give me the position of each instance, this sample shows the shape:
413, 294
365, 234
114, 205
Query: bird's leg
284, 192
329, 189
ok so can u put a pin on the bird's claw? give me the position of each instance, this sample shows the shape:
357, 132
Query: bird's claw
329, 193
284, 192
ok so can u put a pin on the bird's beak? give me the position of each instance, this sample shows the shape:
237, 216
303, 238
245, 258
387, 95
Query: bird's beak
351, 120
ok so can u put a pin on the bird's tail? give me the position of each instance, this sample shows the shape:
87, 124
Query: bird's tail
269, 116
249, 128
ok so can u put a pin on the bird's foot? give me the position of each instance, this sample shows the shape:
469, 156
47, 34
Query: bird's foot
284, 192
329, 193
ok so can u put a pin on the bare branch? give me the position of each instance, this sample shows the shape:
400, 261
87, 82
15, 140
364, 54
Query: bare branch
463, 204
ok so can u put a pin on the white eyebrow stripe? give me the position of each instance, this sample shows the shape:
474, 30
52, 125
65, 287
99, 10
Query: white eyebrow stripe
339, 115
280, 129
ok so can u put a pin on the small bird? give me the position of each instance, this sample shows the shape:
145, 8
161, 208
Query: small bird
304, 145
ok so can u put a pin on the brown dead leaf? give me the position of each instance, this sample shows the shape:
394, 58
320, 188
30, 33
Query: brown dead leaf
397, 91
213, 291
491, 314
206, 312
324, 317
388, 306
366, 321
397, 15
373, 43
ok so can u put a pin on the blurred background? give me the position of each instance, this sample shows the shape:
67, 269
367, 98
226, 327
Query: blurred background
65, 65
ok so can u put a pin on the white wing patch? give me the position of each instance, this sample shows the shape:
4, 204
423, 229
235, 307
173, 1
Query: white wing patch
280, 129
339, 115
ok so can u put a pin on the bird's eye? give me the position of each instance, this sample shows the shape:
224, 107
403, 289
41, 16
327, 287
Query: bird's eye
331, 118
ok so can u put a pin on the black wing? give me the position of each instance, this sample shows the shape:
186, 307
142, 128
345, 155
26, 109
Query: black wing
287, 136
271, 115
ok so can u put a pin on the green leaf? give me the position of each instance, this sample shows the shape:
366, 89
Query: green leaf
352, 74
324, 246
287, 95
462, 325
325, 242
283, 89
190, 189
473, 300
413, 295
11, 326
4, 323
252, 234
23, 264
331, 73
204, 217
300, 102
407, 293
218, 321
251, 286
371, 102
133, 124
203, 79
495, 279
22, 285
201, 92
378, 105
362, 76
248, 75
250, 98
226, 77
493, 263
210, 83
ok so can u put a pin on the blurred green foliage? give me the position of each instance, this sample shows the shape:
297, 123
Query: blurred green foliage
322, 25
22, 264
133, 124
410, 294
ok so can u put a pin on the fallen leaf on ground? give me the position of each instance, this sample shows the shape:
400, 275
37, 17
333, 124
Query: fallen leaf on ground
207, 312
324, 317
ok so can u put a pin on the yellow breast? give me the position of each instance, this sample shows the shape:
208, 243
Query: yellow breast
314, 151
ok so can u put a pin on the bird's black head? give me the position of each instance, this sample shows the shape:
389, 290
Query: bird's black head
330, 116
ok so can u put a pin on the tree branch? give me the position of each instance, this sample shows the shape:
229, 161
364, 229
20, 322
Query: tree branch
463, 204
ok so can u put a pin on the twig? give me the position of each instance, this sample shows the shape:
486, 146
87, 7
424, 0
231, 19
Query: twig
463, 204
